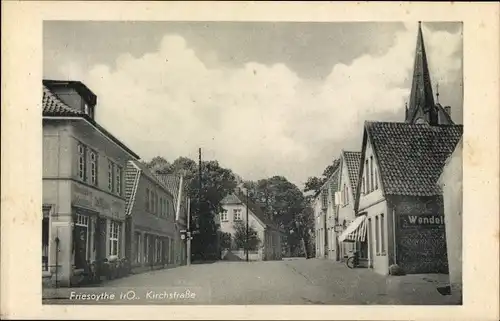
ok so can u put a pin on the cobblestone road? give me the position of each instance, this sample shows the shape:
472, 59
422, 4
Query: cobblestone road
299, 281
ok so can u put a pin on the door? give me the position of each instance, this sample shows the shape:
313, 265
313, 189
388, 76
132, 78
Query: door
370, 243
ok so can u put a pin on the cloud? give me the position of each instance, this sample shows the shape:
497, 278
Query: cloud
259, 120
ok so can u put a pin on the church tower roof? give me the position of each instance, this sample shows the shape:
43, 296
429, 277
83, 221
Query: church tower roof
421, 103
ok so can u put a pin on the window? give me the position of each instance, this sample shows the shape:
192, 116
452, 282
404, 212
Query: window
382, 234
363, 186
324, 198
371, 173
93, 167
147, 200
332, 193
158, 250
146, 248
118, 178
86, 109
151, 201
376, 179
158, 210
237, 214
82, 165
377, 245
137, 247
223, 216
114, 238
367, 171
171, 254
346, 194
167, 249
110, 175
81, 240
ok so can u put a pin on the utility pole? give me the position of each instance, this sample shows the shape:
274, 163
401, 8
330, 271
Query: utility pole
188, 228
247, 226
200, 184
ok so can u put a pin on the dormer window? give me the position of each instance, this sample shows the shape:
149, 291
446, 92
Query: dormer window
86, 109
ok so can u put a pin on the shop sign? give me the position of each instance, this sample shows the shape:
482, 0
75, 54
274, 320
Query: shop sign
96, 200
422, 221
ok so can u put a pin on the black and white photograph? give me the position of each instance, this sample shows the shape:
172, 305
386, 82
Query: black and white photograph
252, 163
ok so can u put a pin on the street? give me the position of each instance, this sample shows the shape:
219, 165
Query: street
296, 281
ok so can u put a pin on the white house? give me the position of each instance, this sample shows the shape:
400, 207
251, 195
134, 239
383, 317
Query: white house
451, 184
270, 235
348, 180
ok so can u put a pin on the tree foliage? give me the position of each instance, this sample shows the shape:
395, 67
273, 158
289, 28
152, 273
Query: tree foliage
240, 237
313, 184
216, 183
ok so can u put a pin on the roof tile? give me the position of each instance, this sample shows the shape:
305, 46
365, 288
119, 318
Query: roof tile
412, 156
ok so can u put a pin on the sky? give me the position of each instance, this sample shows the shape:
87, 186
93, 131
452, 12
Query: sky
262, 98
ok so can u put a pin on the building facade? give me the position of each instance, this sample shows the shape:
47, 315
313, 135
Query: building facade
178, 188
348, 178
320, 208
235, 207
451, 184
398, 199
151, 218
83, 184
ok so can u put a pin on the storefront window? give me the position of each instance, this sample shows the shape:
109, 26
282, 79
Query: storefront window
146, 248
158, 249
45, 239
137, 247
81, 241
114, 238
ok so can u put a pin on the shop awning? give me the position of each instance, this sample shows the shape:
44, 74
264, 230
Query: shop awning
355, 232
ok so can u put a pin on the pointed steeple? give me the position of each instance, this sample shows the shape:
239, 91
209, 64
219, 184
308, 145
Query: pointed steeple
421, 97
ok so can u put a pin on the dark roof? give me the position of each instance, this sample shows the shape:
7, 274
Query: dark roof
239, 198
172, 183
411, 157
132, 174
80, 88
133, 170
54, 107
352, 160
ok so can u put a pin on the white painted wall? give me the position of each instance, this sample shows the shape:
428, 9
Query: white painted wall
451, 182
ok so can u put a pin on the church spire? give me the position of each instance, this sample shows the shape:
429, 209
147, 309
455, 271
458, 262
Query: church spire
421, 97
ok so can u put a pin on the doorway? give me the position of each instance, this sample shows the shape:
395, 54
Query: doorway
369, 242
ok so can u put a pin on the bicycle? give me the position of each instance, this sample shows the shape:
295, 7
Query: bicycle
353, 261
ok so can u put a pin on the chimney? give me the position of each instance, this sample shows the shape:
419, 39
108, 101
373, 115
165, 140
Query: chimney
447, 109
74, 94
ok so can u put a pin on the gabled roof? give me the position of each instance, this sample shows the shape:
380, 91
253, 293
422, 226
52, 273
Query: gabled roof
239, 198
172, 183
54, 107
132, 173
410, 157
352, 161
132, 176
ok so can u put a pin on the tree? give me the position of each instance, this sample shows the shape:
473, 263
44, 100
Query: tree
158, 164
313, 184
225, 240
217, 183
240, 237
282, 201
